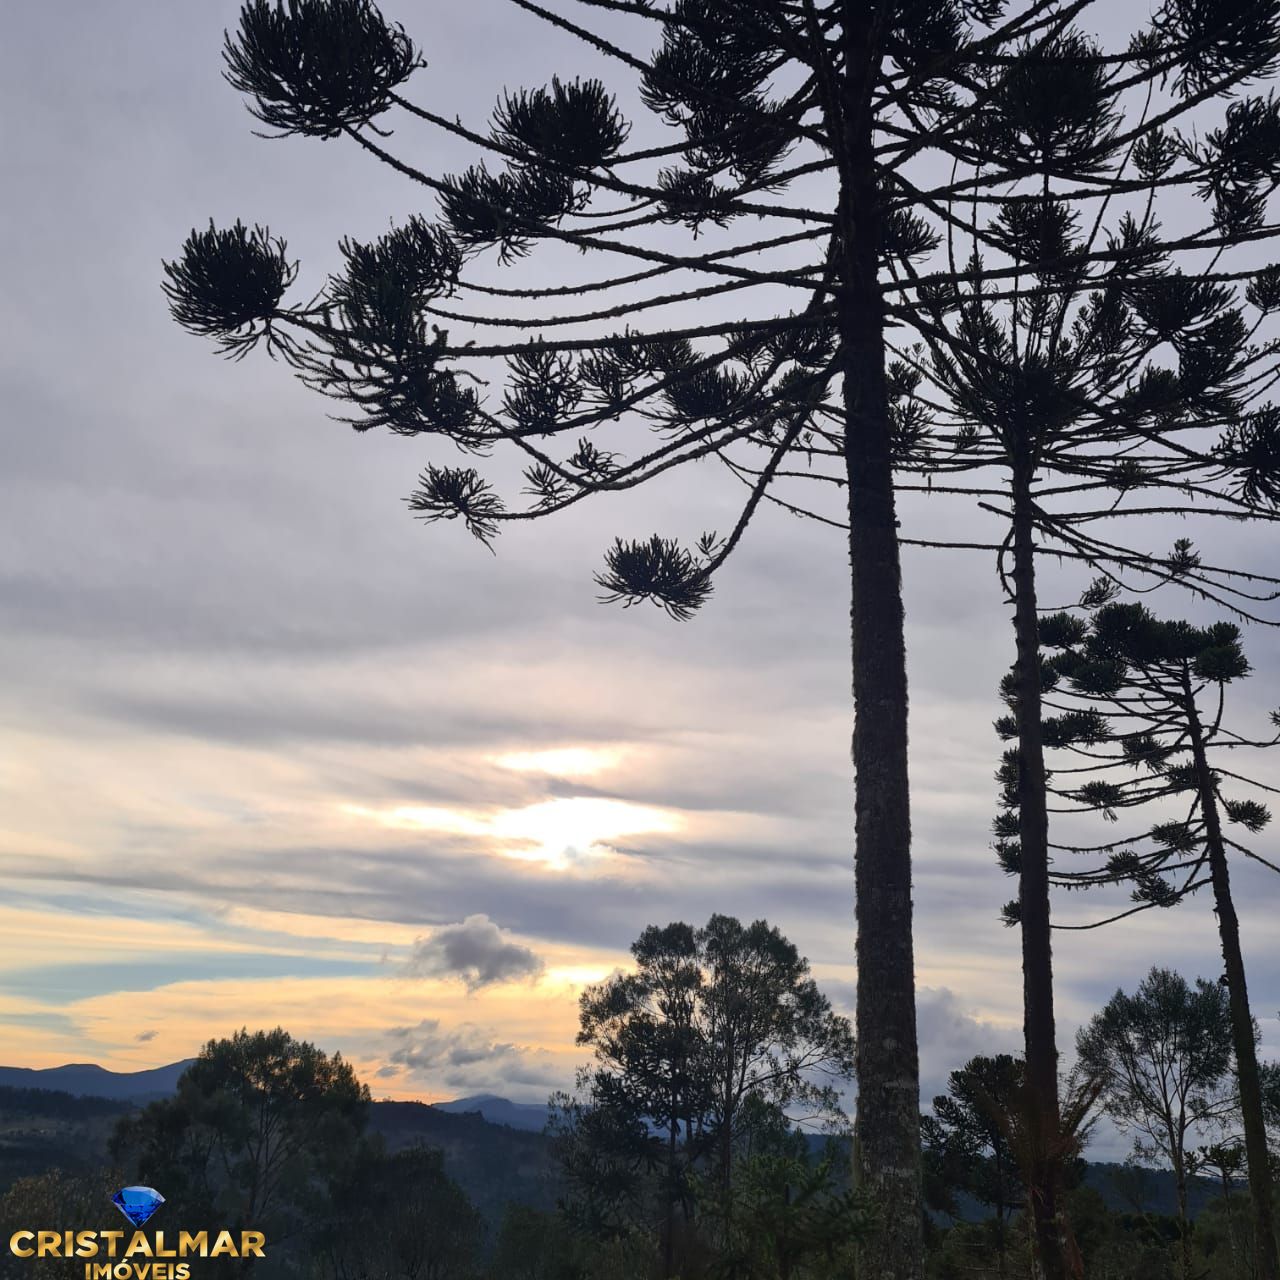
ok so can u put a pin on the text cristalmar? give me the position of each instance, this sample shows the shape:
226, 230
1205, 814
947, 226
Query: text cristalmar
123, 1250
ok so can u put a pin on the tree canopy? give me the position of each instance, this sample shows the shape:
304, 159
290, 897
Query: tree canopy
260, 1126
717, 1034
1163, 1057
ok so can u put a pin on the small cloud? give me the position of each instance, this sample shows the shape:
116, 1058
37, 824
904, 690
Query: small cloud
477, 951
145, 1037
468, 1057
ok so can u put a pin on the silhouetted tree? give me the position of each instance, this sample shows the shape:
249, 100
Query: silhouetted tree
965, 1133
1066, 385
1163, 1057
259, 1129
710, 1022
898, 128
1141, 706
790, 1217
609, 1162
646, 1026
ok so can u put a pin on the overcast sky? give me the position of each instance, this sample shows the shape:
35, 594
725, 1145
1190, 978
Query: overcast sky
274, 753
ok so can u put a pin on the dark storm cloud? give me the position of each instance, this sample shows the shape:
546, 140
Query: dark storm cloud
475, 950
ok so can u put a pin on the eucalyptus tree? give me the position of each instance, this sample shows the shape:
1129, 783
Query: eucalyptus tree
1163, 1055
651, 1056
813, 354
1140, 710
260, 1131
712, 1027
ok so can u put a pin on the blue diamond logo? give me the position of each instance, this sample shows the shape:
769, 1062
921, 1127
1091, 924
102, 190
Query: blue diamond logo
137, 1203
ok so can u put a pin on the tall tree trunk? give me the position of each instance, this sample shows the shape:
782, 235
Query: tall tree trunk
726, 1174
1000, 1240
887, 1127
669, 1236
1231, 1220
1266, 1258
1184, 1220
1043, 1120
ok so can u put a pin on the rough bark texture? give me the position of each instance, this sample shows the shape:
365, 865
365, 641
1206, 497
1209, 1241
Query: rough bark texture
1043, 1120
1266, 1257
887, 1127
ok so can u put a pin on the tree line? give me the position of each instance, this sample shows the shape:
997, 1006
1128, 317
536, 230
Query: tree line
867, 258
705, 1139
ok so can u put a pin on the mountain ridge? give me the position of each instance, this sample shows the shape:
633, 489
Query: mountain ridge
88, 1079
528, 1116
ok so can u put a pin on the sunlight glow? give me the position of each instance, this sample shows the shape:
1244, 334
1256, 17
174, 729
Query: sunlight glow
559, 834
562, 762
577, 975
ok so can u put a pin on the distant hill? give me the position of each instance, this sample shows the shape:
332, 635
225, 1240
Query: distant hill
515, 1115
494, 1148
87, 1079
495, 1164
1128, 1189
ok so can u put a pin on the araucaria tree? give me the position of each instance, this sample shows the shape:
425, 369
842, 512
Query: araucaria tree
1140, 710
965, 1135
859, 142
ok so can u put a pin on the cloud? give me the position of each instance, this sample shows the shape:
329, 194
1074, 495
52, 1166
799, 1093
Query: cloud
145, 1037
427, 1047
468, 1057
477, 951
950, 1033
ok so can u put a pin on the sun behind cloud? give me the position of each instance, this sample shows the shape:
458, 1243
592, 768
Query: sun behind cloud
559, 834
